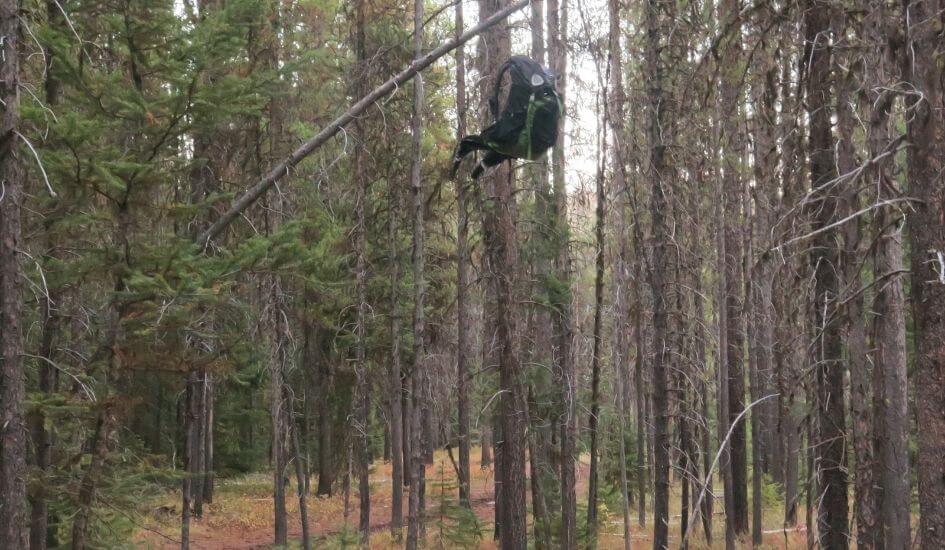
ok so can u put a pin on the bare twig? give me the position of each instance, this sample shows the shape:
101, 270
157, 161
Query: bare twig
39, 162
697, 507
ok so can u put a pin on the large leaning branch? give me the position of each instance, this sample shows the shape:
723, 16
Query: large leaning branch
282, 169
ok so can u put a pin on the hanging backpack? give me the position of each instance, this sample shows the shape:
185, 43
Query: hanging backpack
528, 124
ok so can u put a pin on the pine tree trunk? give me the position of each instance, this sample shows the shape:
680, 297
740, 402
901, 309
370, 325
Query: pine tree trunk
485, 447
397, 425
926, 166
733, 152
418, 373
854, 329
277, 416
499, 236
300, 480
208, 475
42, 534
462, 282
642, 419
557, 31
362, 403
596, 356
662, 263
190, 442
891, 420
324, 464
198, 447
832, 517
722, 386
615, 106
13, 435
89, 485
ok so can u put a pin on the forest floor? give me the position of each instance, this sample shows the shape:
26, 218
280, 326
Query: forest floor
241, 516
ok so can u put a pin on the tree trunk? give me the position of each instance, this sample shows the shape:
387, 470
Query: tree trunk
615, 103
42, 534
418, 373
722, 362
485, 447
557, 30
832, 517
462, 282
300, 479
190, 458
499, 236
642, 471
926, 166
540, 519
891, 424
659, 119
397, 425
324, 420
13, 435
865, 508
199, 445
208, 475
89, 485
362, 399
277, 416
596, 357
733, 152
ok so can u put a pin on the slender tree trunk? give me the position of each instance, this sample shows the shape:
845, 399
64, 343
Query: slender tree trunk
542, 524
722, 362
208, 476
659, 118
323, 414
596, 357
733, 153
300, 478
786, 298
13, 435
190, 455
557, 30
615, 103
754, 375
891, 422
462, 282
706, 474
89, 485
198, 447
42, 534
362, 403
485, 447
418, 374
926, 168
277, 415
864, 502
642, 471
397, 424
832, 517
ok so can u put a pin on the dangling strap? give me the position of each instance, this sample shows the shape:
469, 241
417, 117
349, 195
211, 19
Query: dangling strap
529, 121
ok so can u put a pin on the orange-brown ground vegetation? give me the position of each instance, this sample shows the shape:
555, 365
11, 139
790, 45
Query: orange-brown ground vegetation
241, 516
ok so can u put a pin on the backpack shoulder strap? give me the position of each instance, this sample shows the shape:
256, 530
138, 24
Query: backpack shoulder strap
496, 88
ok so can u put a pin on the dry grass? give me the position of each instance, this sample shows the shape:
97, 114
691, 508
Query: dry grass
241, 516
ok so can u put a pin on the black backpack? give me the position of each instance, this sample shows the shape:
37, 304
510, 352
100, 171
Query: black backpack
527, 125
